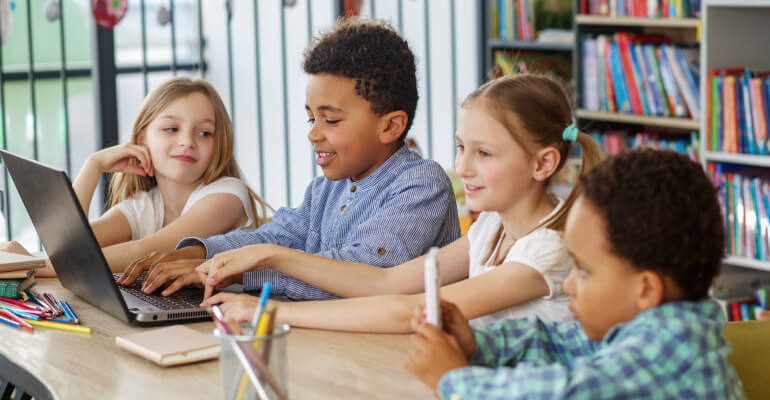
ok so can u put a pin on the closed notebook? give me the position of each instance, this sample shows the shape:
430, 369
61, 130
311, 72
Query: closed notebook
10, 262
172, 345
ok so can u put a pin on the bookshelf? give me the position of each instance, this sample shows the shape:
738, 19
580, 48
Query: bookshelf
734, 34
591, 26
493, 42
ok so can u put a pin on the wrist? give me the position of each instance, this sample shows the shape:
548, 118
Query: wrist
269, 257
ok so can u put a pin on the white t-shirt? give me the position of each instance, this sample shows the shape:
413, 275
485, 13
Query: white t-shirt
144, 211
542, 250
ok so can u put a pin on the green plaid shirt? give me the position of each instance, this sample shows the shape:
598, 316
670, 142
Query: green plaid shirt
675, 351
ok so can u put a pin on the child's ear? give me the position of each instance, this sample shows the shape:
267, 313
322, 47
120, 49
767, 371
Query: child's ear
547, 161
392, 125
651, 290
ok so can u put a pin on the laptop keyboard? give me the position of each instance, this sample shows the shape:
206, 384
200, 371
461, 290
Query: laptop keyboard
183, 298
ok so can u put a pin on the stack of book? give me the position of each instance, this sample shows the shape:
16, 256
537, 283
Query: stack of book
641, 74
738, 111
642, 8
750, 307
520, 20
744, 194
615, 141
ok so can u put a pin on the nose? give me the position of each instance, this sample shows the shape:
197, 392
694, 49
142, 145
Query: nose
314, 135
461, 164
187, 138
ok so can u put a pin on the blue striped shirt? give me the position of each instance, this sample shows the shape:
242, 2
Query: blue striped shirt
674, 351
393, 215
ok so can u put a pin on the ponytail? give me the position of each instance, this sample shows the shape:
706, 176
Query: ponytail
590, 157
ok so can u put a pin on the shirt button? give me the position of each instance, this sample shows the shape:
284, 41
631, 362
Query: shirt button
343, 208
381, 251
352, 189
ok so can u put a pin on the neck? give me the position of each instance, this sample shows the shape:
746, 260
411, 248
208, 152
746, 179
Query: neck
526, 212
174, 195
384, 156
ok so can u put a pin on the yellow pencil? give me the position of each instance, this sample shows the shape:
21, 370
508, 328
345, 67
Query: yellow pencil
264, 322
58, 325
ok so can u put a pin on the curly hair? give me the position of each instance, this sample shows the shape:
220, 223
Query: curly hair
662, 214
372, 53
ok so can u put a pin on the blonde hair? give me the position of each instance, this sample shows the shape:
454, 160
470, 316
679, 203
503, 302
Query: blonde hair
123, 186
540, 106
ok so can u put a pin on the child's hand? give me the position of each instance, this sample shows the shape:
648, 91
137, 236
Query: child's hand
433, 353
228, 267
457, 325
118, 159
135, 269
235, 307
174, 274
453, 323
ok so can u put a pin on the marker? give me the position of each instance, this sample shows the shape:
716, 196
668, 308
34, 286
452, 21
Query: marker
432, 283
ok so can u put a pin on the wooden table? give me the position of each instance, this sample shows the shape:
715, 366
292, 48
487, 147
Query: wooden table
321, 364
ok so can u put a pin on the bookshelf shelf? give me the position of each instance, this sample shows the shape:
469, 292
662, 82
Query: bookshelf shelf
682, 23
529, 45
733, 158
646, 120
748, 263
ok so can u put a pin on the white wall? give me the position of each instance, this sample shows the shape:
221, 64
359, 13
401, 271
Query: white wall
285, 179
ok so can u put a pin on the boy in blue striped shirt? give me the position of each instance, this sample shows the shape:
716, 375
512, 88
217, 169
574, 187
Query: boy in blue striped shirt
647, 239
378, 203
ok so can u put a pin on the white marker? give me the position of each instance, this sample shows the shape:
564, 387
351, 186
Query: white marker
432, 284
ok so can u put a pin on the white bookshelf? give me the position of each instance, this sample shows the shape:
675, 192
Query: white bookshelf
734, 33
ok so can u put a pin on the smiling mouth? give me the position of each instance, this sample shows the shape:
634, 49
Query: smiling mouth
187, 159
324, 158
472, 189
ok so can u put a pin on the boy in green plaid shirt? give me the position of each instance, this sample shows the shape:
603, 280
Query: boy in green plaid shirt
647, 239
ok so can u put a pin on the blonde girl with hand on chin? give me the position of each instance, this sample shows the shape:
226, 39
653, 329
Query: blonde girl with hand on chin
176, 177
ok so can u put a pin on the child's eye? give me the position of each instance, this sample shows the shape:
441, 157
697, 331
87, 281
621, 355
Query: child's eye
205, 133
311, 121
460, 148
169, 130
483, 153
332, 122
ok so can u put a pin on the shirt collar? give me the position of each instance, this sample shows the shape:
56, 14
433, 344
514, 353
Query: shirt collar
689, 312
383, 170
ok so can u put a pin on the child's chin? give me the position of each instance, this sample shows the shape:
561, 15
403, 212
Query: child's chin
333, 176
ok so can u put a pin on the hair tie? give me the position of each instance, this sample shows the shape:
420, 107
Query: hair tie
570, 133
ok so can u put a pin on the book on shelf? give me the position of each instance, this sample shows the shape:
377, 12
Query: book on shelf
527, 20
639, 74
615, 141
642, 8
738, 111
744, 194
749, 307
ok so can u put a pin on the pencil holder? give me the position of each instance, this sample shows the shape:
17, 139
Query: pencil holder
266, 357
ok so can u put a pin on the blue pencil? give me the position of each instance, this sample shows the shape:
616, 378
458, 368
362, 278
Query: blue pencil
71, 312
266, 288
66, 311
9, 322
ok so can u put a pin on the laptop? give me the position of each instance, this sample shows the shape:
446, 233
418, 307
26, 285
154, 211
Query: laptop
55, 212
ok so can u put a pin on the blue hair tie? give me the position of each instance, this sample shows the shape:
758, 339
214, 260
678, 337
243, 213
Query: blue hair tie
570, 133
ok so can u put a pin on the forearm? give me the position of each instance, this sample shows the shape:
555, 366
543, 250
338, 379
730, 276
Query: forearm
381, 314
85, 184
343, 278
119, 256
